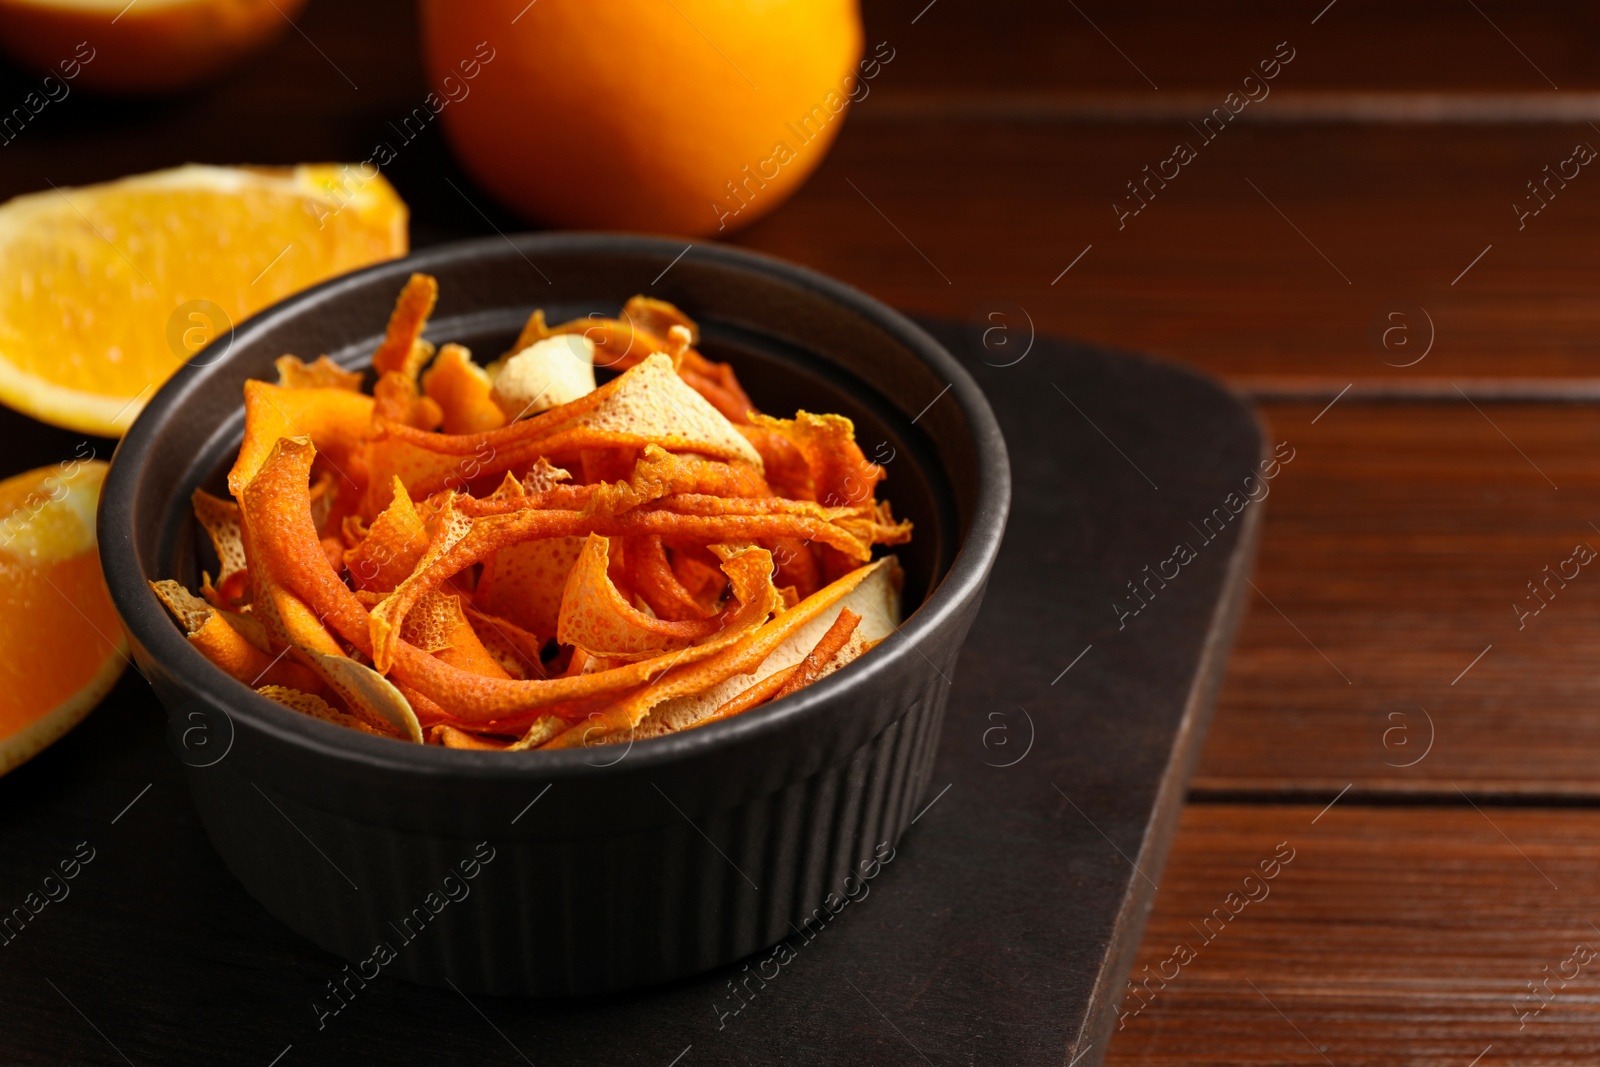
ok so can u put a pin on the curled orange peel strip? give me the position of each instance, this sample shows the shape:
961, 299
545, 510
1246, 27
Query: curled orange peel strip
837, 473
539, 731
517, 650
276, 507
759, 693
652, 577
441, 626
450, 737
827, 648
289, 621
389, 552
221, 643
317, 708
462, 391
657, 317
498, 532
220, 519
524, 582
368, 693
618, 509
401, 351
742, 657
649, 404
218, 636
395, 398
462, 540
297, 589
293, 373
598, 619
386, 622
335, 420
474, 698
657, 474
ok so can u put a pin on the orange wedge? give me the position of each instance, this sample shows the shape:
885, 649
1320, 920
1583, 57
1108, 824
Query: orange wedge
106, 290
61, 644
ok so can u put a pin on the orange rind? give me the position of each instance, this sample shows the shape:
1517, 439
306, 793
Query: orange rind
62, 647
598, 571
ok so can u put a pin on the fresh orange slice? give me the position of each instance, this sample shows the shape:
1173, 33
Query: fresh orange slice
106, 290
62, 646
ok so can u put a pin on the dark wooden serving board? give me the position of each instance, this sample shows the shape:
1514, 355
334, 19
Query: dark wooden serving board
1000, 933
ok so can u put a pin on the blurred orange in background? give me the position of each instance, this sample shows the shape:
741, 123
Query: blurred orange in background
148, 46
668, 116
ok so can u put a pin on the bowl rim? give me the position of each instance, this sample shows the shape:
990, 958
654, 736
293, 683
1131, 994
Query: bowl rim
154, 631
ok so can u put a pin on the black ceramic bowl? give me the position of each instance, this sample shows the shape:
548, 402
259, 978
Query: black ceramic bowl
592, 869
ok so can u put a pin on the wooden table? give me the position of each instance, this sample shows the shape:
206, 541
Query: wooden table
1430, 761
1347, 252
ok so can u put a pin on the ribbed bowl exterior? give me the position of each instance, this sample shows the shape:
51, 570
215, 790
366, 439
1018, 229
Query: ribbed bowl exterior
587, 870
587, 914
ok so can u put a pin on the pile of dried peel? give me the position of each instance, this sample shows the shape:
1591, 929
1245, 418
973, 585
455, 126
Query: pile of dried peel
511, 557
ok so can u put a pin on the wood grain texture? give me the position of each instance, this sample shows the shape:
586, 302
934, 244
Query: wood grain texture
1398, 545
1276, 256
1394, 936
1011, 46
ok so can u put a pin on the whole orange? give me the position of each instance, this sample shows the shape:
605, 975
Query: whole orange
673, 116
148, 46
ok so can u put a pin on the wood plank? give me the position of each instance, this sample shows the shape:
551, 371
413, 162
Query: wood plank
1395, 935
1011, 45
1283, 106
1276, 256
1397, 546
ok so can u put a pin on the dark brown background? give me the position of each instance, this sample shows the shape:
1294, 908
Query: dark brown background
1420, 906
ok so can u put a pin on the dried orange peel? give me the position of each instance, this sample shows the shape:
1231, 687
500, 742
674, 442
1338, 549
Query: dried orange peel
597, 618
650, 556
